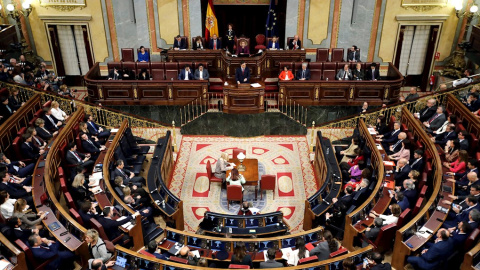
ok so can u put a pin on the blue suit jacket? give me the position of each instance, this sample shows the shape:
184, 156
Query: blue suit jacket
239, 76
404, 204
435, 255
110, 226
219, 44
444, 137
91, 130
181, 76
457, 239
49, 125
180, 45
270, 45
391, 136
92, 149
43, 254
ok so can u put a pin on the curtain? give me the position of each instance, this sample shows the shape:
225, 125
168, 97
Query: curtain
82, 53
406, 46
419, 50
68, 49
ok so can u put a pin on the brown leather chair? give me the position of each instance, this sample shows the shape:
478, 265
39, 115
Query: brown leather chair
268, 182
181, 65
337, 55
284, 64
238, 40
322, 55
101, 232
234, 193
185, 39
144, 65
237, 151
158, 70
111, 65
211, 176
260, 40
171, 70
132, 66
329, 71
316, 69
196, 64
127, 55
205, 45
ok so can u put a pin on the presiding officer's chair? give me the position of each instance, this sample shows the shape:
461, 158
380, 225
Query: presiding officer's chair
127, 55
260, 40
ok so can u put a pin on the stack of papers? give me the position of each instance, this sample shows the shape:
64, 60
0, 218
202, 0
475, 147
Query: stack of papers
127, 225
286, 251
196, 253
114, 130
389, 163
372, 131
379, 147
255, 85
424, 232
96, 190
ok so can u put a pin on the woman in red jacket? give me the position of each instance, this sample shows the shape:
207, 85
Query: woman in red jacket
459, 165
286, 74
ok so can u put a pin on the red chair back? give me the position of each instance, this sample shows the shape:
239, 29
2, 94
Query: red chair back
417, 207
337, 55
385, 237
76, 215
238, 151
423, 191
472, 239
70, 202
322, 55
209, 169
239, 266
111, 65
267, 182
178, 260
127, 55
63, 184
97, 226
308, 260
234, 193
260, 39
339, 252
403, 218
47, 104
171, 70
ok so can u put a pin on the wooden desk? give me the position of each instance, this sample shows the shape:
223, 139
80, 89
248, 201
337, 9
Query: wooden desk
243, 100
251, 172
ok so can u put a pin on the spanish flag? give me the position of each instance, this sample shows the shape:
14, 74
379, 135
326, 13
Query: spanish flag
211, 26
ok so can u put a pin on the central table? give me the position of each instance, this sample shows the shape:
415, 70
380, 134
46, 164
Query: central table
251, 172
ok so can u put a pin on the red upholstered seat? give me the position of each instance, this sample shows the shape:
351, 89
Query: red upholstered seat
316, 69
268, 182
238, 151
205, 45
111, 65
76, 215
308, 260
101, 232
143, 65
211, 176
339, 252
185, 39
260, 40
423, 191
69, 199
158, 70
197, 64
385, 238
238, 40
47, 104
131, 66
63, 184
127, 55
146, 50
178, 260
417, 207
171, 70
403, 218
337, 55
239, 266
472, 239
297, 66
322, 55
234, 193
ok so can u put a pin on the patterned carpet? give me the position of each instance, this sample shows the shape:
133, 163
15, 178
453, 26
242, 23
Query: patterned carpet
287, 157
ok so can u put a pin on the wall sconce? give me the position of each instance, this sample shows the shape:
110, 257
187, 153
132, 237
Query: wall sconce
17, 13
470, 14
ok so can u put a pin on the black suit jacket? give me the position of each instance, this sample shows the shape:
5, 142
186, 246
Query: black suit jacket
89, 148
116, 172
368, 75
351, 57
72, 159
290, 44
14, 103
464, 145
16, 191
49, 125
418, 166
299, 74
344, 202
240, 76
30, 151
373, 233
358, 74
22, 234
219, 44
444, 137
111, 226
44, 133
180, 45
111, 75
437, 122
5, 112
427, 112
402, 175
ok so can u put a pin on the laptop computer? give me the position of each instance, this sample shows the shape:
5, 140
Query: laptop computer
120, 263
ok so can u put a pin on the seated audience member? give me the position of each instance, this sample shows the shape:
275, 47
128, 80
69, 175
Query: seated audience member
222, 166
135, 202
465, 79
452, 150
185, 74
416, 163
94, 129
96, 246
344, 74
372, 74
185, 253
295, 43
340, 206
42, 132
363, 109
409, 191
372, 233
115, 74
5, 110
198, 44
128, 74
388, 219
97, 264
427, 112
458, 214
413, 176
389, 136
179, 43
91, 147
244, 210
353, 54
215, 43
30, 220
36, 140
400, 199
304, 73
270, 262
325, 247
431, 258
362, 188
87, 211
299, 253
82, 127
349, 264
26, 65
443, 138
51, 122
459, 235
57, 112
75, 158
7, 205
44, 249
235, 178
14, 190
128, 177
451, 120
110, 226
354, 161
273, 44
201, 73
243, 49
404, 151
17, 168
358, 73
286, 74
397, 146
152, 248
13, 100
460, 164
143, 55
144, 76
357, 173
375, 262
79, 192
463, 139
413, 94
242, 74
474, 218
436, 121
401, 171
29, 150
348, 153
18, 231
472, 166
381, 125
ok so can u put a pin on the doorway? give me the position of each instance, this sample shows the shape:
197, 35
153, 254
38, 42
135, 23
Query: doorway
415, 50
71, 50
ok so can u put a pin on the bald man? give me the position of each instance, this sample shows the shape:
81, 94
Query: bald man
413, 94
185, 253
427, 112
397, 146
401, 171
295, 44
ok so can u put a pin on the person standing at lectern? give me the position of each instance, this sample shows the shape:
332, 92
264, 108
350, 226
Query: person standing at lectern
242, 74
230, 37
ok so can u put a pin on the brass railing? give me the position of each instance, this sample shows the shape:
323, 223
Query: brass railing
293, 110
144, 128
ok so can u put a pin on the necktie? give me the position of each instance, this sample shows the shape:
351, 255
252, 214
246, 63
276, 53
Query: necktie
51, 120
373, 74
396, 144
77, 156
38, 141
346, 75
123, 173
94, 128
433, 118
46, 131
243, 71
448, 134
415, 162
215, 44
303, 74
29, 145
90, 142
8, 107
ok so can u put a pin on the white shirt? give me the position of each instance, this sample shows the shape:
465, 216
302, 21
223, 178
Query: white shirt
286, 77
201, 74
7, 208
388, 219
186, 75
59, 114
293, 258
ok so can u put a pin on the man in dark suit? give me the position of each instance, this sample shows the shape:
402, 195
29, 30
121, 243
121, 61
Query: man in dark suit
127, 176
15, 191
357, 73
345, 201
413, 94
201, 73
242, 74
303, 73
42, 132
5, 110
442, 138
401, 200
295, 44
51, 123
94, 129
36, 140
44, 249
344, 74
29, 150
375, 263
416, 163
97, 264
436, 121
91, 147
179, 43
431, 258
362, 191
353, 54
18, 168
271, 263
215, 43
75, 158
15, 224
390, 136
372, 74
372, 233
409, 192
458, 214
463, 140
87, 211
401, 172
185, 74
459, 234
462, 183
473, 103
111, 226
427, 112
397, 146
115, 74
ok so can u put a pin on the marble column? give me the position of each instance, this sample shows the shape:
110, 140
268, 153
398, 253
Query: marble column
291, 20
195, 16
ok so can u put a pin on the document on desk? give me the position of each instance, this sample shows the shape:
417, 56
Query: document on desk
372, 131
255, 85
196, 253
121, 218
128, 225
424, 232
286, 251
379, 147
114, 130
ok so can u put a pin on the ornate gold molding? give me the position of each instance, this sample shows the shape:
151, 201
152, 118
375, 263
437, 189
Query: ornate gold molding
423, 5
64, 8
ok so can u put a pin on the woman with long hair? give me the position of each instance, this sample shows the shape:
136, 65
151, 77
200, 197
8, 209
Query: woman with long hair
459, 165
235, 178
240, 255
299, 253
404, 151
30, 220
324, 248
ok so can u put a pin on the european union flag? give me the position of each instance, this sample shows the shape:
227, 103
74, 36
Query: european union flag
271, 25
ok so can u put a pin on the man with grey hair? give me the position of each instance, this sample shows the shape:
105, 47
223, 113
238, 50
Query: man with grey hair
401, 171
344, 74
362, 191
428, 111
436, 121
409, 191
413, 94
397, 146
295, 44
304, 73
474, 218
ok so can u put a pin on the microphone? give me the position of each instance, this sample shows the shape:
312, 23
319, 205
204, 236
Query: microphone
336, 176
325, 202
